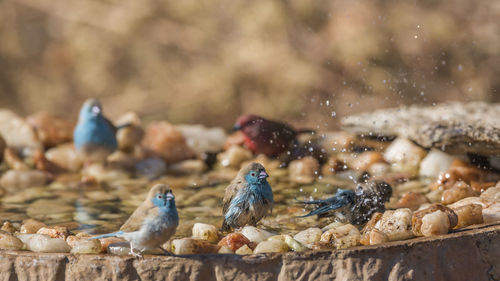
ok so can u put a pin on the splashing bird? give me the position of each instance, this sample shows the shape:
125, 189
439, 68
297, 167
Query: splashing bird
355, 206
248, 197
94, 135
152, 223
263, 136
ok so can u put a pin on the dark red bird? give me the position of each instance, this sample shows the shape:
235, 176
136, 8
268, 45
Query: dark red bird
263, 136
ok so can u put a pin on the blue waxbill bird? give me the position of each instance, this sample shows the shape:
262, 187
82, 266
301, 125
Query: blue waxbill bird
248, 198
94, 135
355, 206
152, 223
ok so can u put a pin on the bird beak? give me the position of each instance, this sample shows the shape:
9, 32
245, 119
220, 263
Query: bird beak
169, 196
263, 175
236, 127
96, 110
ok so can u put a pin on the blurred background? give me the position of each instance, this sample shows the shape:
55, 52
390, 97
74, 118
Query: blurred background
206, 61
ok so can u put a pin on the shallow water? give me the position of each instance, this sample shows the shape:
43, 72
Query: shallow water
100, 208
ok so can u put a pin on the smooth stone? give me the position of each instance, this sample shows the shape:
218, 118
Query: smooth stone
304, 171
205, 232
104, 174
397, 224
85, 246
255, 234
202, 139
244, 250
65, 156
31, 226
45, 244
271, 246
188, 167
10, 242
234, 241
51, 130
13, 180
16, 131
166, 141
435, 163
150, 168
233, 157
186, 246
309, 236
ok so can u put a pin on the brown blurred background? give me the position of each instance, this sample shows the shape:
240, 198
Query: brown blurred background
206, 61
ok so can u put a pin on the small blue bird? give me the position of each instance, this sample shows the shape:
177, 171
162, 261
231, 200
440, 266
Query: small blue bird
356, 206
152, 223
248, 197
94, 135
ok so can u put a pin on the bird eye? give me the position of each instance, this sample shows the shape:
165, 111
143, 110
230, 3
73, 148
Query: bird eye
159, 196
253, 174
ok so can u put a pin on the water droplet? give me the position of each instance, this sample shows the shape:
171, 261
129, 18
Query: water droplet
460, 67
334, 113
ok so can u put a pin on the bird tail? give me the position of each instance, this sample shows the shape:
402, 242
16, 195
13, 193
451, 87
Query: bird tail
114, 234
325, 206
225, 226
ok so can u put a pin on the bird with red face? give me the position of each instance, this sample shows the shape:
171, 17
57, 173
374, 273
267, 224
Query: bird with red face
263, 136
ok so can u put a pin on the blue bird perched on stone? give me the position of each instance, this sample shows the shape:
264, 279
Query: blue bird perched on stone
94, 135
152, 223
248, 197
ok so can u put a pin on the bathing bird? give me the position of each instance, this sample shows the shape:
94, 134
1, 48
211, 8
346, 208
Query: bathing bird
94, 135
248, 197
355, 206
263, 136
152, 223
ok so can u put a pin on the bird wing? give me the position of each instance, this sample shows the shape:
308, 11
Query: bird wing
137, 218
231, 191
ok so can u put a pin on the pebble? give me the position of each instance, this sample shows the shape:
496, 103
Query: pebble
50, 129
104, 174
342, 237
129, 137
31, 226
10, 242
255, 234
234, 157
404, 155
304, 171
206, 232
188, 167
13, 180
458, 191
435, 163
396, 224
225, 250
234, 241
186, 246
8, 227
202, 139
166, 141
363, 161
309, 236
492, 213
85, 246
244, 250
271, 246
54, 231
150, 168
491, 194
411, 200
16, 131
45, 244
468, 215
435, 224
66, 157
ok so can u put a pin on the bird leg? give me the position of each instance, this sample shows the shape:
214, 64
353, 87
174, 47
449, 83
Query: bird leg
137, 255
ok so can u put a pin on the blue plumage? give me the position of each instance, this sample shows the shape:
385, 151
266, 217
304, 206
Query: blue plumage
248, 198
94, 135
152, 223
